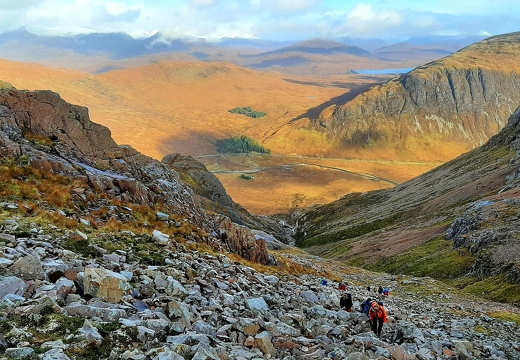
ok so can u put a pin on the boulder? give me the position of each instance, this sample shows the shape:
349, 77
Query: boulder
28, 268
12, 285
105, 284
263, 341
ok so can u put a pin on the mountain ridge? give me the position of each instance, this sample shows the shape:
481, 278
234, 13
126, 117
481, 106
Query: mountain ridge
447, 106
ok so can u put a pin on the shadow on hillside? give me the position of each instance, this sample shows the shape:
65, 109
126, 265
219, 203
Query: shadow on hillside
354, 90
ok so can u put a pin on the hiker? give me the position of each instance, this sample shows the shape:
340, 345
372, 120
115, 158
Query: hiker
345, 302
386, 292
377, 317
342, 286
380, 290
368, 288
324, 282
365, 306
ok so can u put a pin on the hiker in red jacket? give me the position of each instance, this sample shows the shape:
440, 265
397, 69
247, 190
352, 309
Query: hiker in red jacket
378, 316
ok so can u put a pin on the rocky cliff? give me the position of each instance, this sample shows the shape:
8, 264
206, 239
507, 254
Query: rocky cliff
436, 111
472, 201
59, 138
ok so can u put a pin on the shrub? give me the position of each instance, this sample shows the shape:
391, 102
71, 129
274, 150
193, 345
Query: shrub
247, 111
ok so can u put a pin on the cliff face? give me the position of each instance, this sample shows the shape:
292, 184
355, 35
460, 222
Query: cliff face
57, 137
472, 200
438, 110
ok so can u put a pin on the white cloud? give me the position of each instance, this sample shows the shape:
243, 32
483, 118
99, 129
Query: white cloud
295, 5
266, 19
18, 4
202, 3
363, 21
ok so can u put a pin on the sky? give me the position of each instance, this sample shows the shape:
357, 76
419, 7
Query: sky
278, 20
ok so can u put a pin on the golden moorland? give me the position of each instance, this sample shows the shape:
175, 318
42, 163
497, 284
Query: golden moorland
182, 107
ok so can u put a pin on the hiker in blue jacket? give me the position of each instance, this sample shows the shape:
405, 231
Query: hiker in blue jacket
365, 308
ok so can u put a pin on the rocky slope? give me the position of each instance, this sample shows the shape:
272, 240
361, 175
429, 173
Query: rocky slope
49, 134
436, 111
96, 303
472, 201
107, 254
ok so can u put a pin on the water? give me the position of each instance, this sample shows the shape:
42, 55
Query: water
382, 71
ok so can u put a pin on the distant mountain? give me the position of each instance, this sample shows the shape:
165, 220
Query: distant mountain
319, 47
367, 44
20, 35
451, 43
259, 44
115, 46
408, 50
436, 111
101, 52
469, 204
312, 57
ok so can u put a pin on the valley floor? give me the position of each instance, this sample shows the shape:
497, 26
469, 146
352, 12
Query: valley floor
282, 183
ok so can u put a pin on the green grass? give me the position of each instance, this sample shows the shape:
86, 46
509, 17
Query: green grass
506, 316
435, 258
495, 289
351, 232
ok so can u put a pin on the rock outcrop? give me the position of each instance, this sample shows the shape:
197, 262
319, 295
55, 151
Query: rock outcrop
436, 111
45, 131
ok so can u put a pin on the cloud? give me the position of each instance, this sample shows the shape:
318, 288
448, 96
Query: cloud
295, 5
18, 4
202, 3
363, 21
100, 14
266, 19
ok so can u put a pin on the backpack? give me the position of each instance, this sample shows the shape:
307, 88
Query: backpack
365, 307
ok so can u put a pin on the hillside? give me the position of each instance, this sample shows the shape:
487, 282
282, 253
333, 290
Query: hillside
183, 107
178, 101
66, 301
456, 220
436, 111
104, 253
183, 104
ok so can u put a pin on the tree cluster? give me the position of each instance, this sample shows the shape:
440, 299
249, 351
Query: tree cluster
247, 111
240, 144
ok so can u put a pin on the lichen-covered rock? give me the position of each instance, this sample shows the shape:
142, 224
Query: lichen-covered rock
105, 284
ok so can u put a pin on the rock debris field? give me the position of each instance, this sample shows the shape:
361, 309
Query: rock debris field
60, 304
